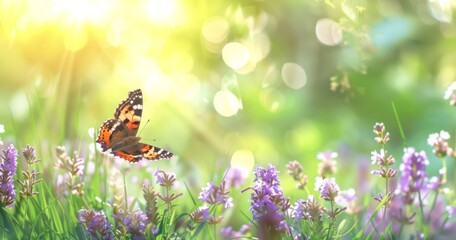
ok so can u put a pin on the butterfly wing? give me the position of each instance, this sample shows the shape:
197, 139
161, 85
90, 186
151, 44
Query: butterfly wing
129, 110
106, 131
136, 152
119, 134
154, 153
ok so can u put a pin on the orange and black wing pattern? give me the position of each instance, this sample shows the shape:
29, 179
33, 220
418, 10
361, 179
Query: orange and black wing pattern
129, 110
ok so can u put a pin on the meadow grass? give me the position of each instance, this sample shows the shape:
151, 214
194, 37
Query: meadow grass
77, 192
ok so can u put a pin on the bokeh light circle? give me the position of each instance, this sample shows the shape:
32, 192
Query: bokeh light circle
235, 55
328, 32
243, 160
294, 75
226, 103
215, 30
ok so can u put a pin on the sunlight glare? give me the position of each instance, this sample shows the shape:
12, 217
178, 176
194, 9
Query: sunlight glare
441, 10
19, 106
243, 160
76, 39
93, 11
162, 10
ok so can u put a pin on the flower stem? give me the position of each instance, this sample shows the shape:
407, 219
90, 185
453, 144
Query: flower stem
332, 220
434, 202
125, 187
422, 212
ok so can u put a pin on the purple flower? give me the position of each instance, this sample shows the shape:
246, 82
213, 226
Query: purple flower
327, 155
230, 233
295, 170
299, 210
385, 162
438, 225
451, 211
165, 179
199, 215
214, 194
413, 174
7, 172
96, 224
134, 222
434, 183
348, 199
267, 175
267, 202
328, 164
234, 177
307, 209
328, 188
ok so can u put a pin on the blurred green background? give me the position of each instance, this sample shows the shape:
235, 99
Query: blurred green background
242, 82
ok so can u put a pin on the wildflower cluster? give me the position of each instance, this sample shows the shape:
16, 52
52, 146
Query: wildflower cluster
131, 224
7, 171
413, 174
140, 224
327, 166
151, 198
268, 204
439, 142
229, 233
234, 177
166, 180
73, 170
295, 170
384, 161
96, 224
214, 195
199, 215
30, 176
309, 210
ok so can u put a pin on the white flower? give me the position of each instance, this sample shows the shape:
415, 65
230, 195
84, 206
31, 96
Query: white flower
328, 155
450, 90
318, 182
434, 137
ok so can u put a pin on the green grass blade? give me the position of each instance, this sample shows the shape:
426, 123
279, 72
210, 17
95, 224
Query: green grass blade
190, 194
399, 125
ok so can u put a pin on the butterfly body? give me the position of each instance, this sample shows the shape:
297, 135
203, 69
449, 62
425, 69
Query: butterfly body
119, 134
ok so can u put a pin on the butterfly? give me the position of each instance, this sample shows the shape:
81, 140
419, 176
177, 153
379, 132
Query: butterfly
119, 134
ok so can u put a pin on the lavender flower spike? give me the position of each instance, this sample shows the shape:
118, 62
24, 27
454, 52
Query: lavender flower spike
267, 202
7, 171
214, 194
96, 224
413, 174
136, 223
328, 188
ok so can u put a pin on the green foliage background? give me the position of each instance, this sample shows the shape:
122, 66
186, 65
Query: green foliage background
61, 74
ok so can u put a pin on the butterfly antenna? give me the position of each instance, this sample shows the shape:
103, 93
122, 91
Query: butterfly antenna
148, 120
